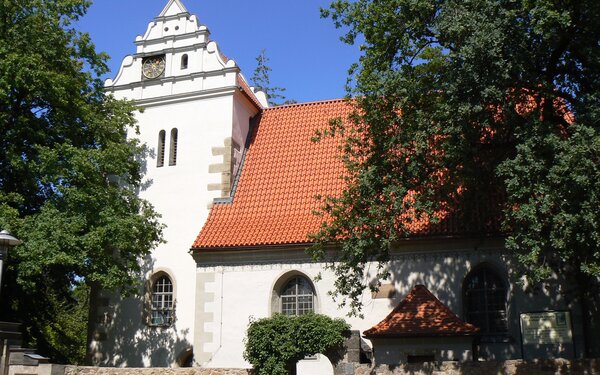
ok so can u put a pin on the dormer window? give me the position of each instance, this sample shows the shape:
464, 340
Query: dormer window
184, 62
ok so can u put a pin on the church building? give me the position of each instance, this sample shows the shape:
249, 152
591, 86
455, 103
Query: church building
236, 183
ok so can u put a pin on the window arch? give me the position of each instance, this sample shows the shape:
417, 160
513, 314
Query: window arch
297, 297
162, 302
484, 296
173, 149
160, 150
184, 62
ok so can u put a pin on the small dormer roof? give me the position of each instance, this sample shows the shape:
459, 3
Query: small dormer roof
173, 7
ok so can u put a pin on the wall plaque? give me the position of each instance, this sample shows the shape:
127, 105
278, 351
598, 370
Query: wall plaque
548, 327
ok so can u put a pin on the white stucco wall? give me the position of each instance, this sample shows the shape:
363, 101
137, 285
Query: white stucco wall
217, 296
204, 104
241, 288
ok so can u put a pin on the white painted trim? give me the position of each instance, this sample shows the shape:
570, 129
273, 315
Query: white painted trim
281, 280
182, 8
185, 97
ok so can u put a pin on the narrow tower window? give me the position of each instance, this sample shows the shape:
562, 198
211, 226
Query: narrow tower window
160, 151
173, 154
184, 62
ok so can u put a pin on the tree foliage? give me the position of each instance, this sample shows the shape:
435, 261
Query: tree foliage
485, 108
261, 79
68, 175
274, 345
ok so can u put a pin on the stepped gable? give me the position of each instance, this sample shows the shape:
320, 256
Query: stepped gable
421, 314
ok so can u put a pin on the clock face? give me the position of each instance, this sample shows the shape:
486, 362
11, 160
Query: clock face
153, 67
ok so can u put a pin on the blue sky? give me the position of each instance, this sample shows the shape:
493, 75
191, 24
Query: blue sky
305, 52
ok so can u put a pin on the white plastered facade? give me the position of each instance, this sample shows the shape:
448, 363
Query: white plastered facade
217, 293
234, 287
212, 115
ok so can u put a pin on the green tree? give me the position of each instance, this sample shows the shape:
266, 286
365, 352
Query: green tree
68, 176
262, 82
483, 106
275, 344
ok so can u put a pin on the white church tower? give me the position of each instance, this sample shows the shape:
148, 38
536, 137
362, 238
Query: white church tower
196, 110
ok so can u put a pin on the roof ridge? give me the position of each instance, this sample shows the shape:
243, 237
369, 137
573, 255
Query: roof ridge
303, 104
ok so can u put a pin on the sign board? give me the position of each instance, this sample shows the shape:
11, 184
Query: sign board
548, 327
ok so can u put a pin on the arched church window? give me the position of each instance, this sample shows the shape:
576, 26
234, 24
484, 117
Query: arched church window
484, 296
162, 302
173, 154
160, 150
297, 297
184, 62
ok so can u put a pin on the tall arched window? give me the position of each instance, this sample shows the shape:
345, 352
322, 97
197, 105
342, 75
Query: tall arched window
162, 302
160, 150
184, 62
173, 150
484, 294
297, 297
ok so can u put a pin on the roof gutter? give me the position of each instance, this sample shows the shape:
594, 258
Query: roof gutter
234, 249
333, 245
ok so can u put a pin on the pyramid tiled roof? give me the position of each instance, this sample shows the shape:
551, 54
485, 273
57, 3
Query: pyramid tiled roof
421, 314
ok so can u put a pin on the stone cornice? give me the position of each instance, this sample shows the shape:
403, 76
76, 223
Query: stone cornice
172, 79
441, 241
191, 47
160, 100
192, 35
172, 17
277, 257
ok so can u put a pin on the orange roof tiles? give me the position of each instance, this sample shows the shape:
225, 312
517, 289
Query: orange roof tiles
421, 314
282, 174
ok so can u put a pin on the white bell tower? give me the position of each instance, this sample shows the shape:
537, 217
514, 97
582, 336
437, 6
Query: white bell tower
196, 110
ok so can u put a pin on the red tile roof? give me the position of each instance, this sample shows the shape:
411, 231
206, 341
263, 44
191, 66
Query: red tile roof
282, 174
421, 314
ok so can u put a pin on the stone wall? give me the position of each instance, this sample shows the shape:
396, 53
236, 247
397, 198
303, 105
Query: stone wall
88, 370
511, 367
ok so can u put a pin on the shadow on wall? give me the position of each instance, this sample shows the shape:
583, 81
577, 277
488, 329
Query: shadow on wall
511, 367
444, 272
123, 336
147, 153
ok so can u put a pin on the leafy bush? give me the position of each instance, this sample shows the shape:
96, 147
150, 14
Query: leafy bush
274, 345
